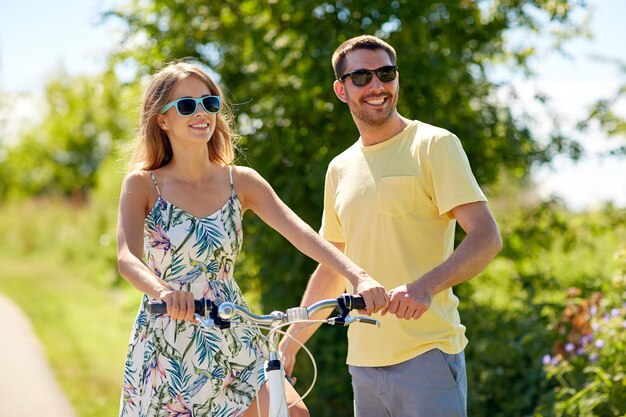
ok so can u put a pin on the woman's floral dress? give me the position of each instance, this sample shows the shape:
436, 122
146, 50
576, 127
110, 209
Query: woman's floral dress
177, 368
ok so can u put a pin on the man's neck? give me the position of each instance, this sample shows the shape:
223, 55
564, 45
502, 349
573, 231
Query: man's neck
372, 135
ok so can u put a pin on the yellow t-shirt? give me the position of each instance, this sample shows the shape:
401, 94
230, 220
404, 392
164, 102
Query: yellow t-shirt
389, 203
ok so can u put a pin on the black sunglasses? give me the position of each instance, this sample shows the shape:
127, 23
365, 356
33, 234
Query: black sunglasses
363, 77
187, 106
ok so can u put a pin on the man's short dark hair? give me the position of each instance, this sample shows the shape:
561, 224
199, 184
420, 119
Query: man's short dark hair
359, 42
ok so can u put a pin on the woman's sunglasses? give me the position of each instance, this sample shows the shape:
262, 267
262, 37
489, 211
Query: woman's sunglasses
188, 106
363, 77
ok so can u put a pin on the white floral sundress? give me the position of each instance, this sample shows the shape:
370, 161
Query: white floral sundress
177, 368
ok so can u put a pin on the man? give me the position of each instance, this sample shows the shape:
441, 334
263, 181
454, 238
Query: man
391, 204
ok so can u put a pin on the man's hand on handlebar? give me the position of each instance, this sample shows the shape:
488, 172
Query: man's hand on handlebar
409, 301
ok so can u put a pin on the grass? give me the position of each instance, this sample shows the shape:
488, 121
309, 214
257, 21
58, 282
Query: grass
83, 328
58, 266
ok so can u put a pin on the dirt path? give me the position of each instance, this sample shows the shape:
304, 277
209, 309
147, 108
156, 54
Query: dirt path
28, 387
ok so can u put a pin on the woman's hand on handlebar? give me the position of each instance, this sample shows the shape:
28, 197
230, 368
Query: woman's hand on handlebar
375, 296
180, 304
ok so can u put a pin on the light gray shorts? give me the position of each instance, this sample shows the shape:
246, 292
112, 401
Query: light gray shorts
433, 384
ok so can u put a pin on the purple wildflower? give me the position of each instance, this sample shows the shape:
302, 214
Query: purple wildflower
599, 343
547, 359
569, 347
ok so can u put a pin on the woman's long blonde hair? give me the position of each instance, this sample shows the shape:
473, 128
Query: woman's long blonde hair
153, 149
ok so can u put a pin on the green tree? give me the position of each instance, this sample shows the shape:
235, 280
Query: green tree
83, 118
605, 113
4, 172
273, 58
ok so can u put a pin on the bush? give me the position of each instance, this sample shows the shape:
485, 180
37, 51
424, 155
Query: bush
505, 374
587, 368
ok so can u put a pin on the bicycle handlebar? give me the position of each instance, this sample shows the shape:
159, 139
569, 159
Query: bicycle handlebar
223, 312
159, 307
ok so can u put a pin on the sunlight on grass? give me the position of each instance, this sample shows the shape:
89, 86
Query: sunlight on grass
62, 277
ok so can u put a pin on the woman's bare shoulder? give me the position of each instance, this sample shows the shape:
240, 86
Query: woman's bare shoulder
246, 177
137, 179
139, 186
249, 184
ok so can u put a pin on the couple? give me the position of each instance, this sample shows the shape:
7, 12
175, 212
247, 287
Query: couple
391, 203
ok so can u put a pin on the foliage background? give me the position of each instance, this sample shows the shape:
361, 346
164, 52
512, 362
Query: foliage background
274, 61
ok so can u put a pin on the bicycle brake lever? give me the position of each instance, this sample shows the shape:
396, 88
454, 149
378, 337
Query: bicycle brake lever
207, 322
211, 317
363, 319
337, 321
340, 321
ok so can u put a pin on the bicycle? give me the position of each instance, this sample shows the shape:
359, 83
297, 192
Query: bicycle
223, 314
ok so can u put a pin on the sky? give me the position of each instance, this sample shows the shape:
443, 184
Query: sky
38, 39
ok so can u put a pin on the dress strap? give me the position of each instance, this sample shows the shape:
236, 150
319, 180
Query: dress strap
230, 175
155, 182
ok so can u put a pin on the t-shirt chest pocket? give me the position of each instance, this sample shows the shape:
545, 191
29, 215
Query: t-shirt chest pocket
395, 195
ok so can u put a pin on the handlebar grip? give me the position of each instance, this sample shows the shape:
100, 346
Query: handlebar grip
159, 307
352, 302
358, 303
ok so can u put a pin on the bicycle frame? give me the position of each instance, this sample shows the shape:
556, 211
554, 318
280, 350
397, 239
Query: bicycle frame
223, 314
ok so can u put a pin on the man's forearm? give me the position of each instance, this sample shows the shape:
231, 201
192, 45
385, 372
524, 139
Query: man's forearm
470, 258
324, 283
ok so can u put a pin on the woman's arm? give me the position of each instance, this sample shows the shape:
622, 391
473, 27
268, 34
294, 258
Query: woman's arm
131, 216
257, 195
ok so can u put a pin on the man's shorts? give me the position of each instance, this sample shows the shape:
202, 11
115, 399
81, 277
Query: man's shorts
433, 384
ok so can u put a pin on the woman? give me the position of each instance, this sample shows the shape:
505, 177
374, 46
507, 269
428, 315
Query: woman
179, 233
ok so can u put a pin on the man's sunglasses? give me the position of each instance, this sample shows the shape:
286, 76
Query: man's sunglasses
363, 77
188, 106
